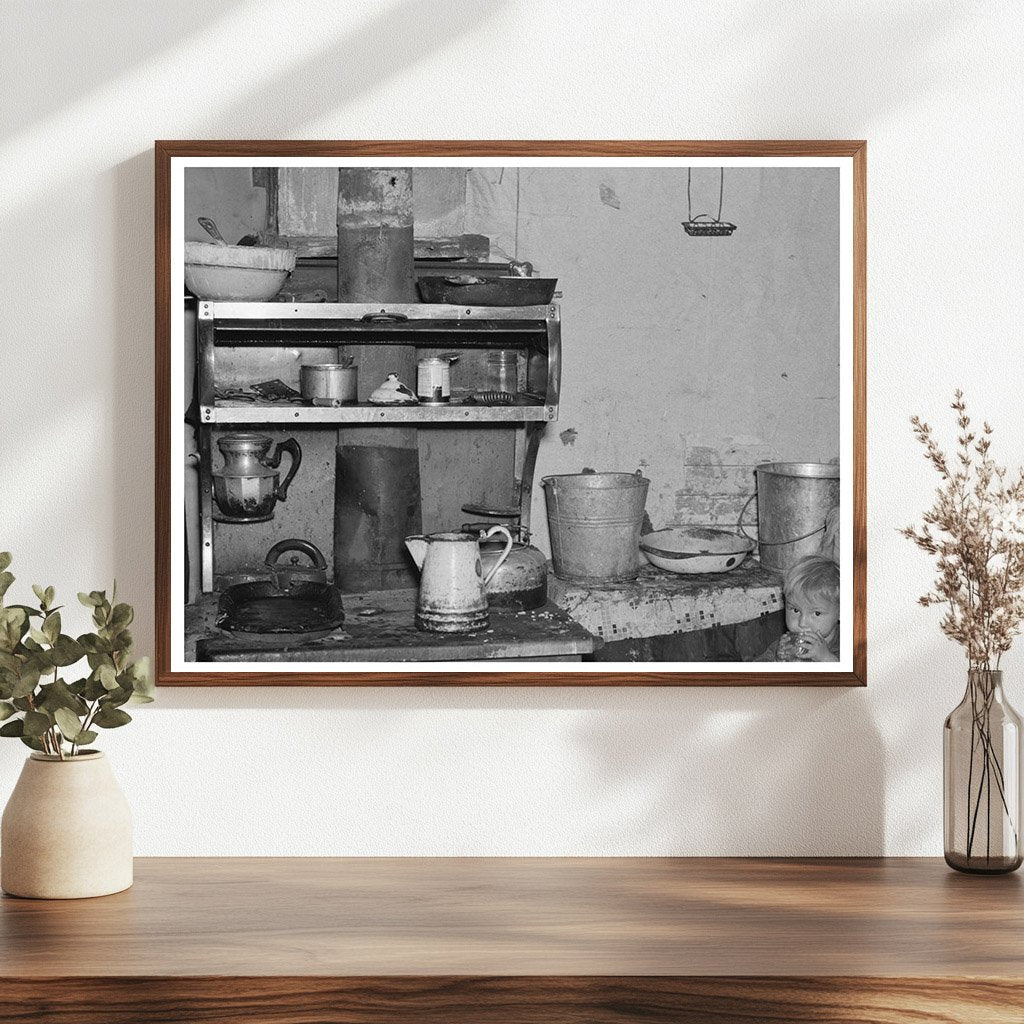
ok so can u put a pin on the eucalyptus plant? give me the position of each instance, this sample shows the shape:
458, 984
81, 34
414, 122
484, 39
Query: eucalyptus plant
45, 711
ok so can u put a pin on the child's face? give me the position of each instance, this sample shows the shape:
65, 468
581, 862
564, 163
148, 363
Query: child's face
806, 614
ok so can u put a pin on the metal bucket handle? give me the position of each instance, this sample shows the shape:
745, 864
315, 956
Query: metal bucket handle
771, 543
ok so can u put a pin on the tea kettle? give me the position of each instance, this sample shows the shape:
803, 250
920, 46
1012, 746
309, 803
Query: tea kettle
518, 581
452, 596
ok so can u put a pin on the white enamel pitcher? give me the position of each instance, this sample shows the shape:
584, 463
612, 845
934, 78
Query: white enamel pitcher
452, 598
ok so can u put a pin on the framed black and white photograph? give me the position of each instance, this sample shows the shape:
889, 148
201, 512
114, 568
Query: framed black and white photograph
492, 413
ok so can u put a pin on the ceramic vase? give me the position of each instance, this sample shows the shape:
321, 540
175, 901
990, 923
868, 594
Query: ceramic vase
981, 776
66, 831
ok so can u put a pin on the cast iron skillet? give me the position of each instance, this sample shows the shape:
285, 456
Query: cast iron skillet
296, 599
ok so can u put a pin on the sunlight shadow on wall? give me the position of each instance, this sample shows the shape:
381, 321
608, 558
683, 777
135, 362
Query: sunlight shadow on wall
743, 772
266, 99
812, 60
88, 45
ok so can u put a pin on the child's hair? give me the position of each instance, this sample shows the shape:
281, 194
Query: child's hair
813, 576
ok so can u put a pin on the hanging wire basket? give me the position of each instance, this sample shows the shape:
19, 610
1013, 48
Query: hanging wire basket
706, 228
704, 225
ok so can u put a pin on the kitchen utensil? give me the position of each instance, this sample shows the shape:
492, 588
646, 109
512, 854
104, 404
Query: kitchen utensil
294, 599
328, 384
275, 391
236, 273
452, 596
392, 392
693, 549
246, 488
207, 224
594, 521
520, 580
468, 290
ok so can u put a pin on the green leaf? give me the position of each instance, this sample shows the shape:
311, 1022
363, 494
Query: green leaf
38, 636
40, 593
69, 724
115, 698
86, 736
66, 651
9, 662
142, 681
31, 741
111, 718
107, 676
5, 560
121, 641
89, 600
27, 681
13, 625
36, 723
6, 710
50, 595
94, 689
59, 695
6, 579
15, 728
95, 645
122, 616
51, 626
29, 611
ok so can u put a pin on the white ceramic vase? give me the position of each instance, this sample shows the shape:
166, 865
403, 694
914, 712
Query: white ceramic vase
66, 831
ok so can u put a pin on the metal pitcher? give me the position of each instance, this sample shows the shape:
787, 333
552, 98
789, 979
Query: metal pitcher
452, 596
246, 488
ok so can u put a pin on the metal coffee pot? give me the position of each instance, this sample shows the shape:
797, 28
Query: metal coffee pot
452, 596
246, 488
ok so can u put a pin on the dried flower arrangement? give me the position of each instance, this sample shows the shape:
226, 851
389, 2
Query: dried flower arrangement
975, 529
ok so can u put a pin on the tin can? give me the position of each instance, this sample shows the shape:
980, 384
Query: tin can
328, 384
434, 381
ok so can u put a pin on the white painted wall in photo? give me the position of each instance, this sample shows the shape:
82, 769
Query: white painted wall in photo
935, 90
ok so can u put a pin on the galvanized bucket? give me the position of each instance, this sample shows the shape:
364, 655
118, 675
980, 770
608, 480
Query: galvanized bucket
793, 501
594, 522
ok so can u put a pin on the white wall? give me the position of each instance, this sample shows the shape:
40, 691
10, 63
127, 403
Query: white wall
935, 88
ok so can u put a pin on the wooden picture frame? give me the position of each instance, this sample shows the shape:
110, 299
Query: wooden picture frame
826, 268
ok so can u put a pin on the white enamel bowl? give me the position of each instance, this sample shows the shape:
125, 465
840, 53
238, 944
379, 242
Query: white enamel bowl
236, 273
694, 549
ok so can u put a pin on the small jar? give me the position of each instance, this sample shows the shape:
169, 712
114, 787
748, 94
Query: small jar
503, 371
434, 381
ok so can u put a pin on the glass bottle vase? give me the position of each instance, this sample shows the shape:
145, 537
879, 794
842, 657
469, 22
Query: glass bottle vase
981, 747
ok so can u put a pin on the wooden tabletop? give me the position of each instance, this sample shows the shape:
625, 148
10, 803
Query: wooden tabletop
576, 935
501, 916
390, 635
